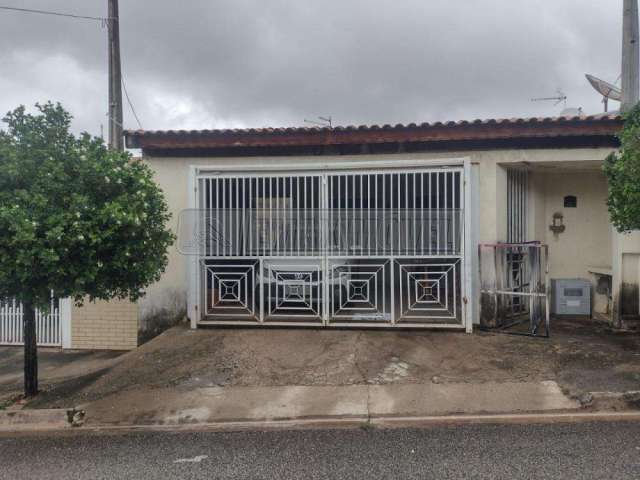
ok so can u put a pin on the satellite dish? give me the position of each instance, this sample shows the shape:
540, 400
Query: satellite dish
606, 89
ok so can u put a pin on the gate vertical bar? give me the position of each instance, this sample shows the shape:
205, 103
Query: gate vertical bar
368, 216
466, 246
225, 190
278, 207
298, 215
446, 212
270, 216
376, 219
398, 215
313, 215
413, 216
384, 214
438, 230
236, 218
406, 211
323, 287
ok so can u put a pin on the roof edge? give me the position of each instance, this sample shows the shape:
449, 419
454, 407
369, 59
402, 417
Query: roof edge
476, 130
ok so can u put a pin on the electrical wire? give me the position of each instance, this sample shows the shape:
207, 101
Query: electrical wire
57, 14
104, 21
126, 94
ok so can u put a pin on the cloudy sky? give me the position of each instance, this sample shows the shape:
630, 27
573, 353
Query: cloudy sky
255, 63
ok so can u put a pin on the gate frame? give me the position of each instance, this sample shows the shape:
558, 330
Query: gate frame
469, 185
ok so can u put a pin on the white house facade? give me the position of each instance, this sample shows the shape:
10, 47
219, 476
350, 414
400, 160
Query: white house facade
381, 226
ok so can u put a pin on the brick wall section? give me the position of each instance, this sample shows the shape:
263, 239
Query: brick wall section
109, 325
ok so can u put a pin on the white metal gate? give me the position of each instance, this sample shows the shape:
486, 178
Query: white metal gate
344, 248
48, 324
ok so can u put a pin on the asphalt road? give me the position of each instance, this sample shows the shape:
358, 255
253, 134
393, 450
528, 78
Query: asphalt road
590, 451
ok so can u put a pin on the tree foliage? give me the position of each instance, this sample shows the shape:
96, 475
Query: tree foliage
75, 217
623, 172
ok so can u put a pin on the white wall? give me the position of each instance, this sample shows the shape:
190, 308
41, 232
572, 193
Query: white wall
168, 297
586, 241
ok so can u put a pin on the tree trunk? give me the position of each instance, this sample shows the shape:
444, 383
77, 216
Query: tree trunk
30, 351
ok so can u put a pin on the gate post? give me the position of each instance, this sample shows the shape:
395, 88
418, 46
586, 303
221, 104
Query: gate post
193, 264
470, 244
64, 312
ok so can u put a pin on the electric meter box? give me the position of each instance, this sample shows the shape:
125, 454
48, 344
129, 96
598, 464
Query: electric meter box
571, 296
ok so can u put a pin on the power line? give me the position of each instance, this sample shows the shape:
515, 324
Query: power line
57, 14
133, 110
106, 21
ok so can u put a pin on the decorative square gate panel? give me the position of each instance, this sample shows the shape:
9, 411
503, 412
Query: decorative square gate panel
358, 290
429, 292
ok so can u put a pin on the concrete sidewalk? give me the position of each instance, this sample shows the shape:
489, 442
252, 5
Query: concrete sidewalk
207, 376
581, 357
238, 404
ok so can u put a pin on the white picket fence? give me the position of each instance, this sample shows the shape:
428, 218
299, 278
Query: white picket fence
48, 325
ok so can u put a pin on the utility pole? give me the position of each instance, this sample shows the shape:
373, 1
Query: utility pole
630, 93
115, 79
630, 55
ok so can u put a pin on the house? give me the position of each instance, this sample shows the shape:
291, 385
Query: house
379, 226
371, 226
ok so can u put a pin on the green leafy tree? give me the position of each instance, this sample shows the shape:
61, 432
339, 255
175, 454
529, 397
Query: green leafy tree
76, 218
623, 172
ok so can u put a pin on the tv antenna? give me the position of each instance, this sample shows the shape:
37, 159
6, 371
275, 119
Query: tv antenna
324, 122
560, 97
608, 90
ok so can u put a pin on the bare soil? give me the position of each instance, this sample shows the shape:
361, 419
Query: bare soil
582, 356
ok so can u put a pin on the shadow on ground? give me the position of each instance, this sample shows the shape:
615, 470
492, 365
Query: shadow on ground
581, 356
57, 369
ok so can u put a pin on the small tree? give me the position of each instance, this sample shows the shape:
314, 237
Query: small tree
623, 172
75, 218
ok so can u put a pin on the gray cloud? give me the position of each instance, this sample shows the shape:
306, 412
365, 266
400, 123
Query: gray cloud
229, 63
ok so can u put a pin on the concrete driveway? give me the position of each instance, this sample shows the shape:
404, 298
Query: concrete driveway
581, 356
186, 376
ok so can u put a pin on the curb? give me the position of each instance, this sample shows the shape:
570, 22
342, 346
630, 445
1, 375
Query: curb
40, 419
514, 418
326, 423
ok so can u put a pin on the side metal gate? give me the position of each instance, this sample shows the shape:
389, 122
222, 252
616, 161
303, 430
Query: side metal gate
346, 248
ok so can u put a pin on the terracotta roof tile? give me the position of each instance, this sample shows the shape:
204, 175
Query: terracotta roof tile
478, 129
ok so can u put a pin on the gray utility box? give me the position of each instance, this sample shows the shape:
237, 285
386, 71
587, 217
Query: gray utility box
571, 296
